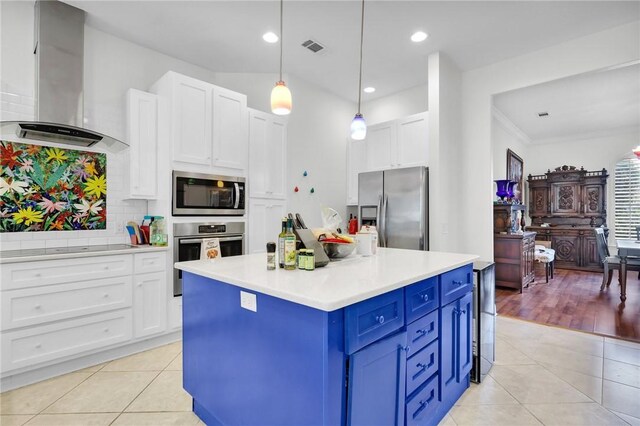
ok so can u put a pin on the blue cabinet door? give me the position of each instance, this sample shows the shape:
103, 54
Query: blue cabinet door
448, 343
377, 383
465, 341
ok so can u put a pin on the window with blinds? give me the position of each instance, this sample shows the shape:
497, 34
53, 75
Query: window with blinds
627, 198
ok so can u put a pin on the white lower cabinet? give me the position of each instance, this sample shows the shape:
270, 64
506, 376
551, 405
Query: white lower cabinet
149, 304
54, 311
265, 222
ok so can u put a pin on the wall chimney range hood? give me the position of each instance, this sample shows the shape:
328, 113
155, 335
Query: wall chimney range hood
59, 50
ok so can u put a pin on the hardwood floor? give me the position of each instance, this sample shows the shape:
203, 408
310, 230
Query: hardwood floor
573, 299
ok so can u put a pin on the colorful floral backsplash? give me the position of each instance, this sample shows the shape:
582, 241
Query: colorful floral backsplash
51, 189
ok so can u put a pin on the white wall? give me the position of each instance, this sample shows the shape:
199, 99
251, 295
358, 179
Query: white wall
505, 136
397, 105
612, 47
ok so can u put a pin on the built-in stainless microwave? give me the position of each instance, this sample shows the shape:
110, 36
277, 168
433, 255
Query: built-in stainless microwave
198, 194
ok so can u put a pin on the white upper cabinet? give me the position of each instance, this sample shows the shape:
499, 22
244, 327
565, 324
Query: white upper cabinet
142, 128
412, 143
381, 142
267, 153
356, 163
208, 125
192, 120
230, 135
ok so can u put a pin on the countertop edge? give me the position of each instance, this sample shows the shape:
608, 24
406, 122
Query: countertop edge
330, 306
56, 256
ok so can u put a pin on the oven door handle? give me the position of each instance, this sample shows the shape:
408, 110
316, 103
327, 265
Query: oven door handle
199, 240
237, 202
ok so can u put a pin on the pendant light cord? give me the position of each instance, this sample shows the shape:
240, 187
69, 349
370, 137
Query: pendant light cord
361, 38
281, 38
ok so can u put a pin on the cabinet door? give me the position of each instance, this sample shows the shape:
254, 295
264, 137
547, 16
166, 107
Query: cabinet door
149, 304
377, 377
538, 201
590, 257
276, 157
566, 247
448, 338
413, 141
258, 162
265, 218
191, 118
465, 336
381, 142
230, 133
593, 200
356, 163
142, 122
565, 199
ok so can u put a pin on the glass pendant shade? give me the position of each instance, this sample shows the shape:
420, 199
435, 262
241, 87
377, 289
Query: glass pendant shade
281, 99
636, 151
358, 128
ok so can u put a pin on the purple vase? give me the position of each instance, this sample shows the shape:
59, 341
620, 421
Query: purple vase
511, 188
503, 188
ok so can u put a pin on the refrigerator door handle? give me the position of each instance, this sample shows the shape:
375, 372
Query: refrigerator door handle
379, 221
385, 201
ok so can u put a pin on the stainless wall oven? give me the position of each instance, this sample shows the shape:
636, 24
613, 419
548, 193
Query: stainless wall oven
198, 194
187, 240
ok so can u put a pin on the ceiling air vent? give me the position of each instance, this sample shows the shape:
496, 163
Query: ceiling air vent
543, 114
313, 46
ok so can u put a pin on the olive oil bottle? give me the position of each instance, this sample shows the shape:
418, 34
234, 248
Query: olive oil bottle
281, 242
289, 247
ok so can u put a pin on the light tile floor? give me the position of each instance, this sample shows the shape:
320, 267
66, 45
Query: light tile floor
542, 375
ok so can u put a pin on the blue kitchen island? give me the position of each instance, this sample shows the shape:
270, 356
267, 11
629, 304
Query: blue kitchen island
378, 340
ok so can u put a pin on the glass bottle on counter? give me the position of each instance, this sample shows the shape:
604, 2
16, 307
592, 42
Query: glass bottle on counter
311, 260
281, 242
289, 247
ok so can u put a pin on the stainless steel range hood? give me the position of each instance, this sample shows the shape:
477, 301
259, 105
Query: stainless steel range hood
59, 50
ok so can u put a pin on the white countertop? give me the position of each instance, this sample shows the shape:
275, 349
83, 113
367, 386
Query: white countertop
34, 255
339, 284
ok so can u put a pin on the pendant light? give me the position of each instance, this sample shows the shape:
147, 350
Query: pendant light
636, 151
280, 95
358, 126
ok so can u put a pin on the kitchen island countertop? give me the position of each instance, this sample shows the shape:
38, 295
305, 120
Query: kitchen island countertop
339, 284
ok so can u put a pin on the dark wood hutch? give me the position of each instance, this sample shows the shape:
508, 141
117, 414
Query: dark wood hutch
564, 206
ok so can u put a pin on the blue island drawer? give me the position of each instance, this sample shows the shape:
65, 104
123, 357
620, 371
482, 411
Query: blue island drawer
456, 283
424, 404
421, 366
422, 332
421, 298
369, 320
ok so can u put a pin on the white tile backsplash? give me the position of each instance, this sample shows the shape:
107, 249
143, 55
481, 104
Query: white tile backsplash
20, 106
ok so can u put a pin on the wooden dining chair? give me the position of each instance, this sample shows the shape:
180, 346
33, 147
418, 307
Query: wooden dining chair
611, 263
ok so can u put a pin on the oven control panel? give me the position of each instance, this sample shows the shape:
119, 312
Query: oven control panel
212, 229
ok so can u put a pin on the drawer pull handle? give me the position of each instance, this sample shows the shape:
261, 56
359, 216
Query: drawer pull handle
139, 284
38, 274
425, 297
421, 366
106, 268
106, 295
422, 331
37, 307
106, 330
380, 319
457, 282
38, 346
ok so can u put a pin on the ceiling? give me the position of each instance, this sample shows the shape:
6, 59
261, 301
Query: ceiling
587, 105
226, 36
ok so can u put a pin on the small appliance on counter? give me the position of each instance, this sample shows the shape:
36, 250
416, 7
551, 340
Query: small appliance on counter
484, 319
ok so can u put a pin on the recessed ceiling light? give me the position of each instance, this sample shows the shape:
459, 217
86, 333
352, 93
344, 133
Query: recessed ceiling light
369, 89
419, 36
270, 37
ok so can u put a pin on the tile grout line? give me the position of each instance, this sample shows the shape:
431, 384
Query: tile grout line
66, 393
140, 393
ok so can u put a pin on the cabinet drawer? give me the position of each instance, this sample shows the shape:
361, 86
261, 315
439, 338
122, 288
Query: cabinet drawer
368, 321
31, 274
26, 348
421, 366
422, 332
33, 306
148, 262
456, 283
421, 298
424, 404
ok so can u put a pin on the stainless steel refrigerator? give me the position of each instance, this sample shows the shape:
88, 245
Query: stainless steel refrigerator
397, 202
